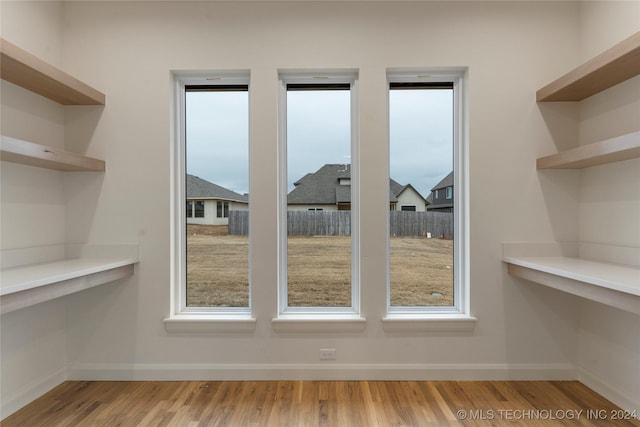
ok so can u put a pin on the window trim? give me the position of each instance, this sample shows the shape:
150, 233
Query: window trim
183, 318
318, 79
222, 208
416, 318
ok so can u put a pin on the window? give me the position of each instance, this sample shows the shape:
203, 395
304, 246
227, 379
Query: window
408, 208
426, 247
316, 190
223, 210
198, 209
212, 163
195, 209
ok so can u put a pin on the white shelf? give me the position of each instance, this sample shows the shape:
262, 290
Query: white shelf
42, 156
611, 284
25, 285
624, 147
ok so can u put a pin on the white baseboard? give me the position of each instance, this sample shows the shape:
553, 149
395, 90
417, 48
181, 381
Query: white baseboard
329, 371
27, 394
608, 392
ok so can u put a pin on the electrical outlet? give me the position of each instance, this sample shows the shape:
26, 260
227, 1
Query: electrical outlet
327, 354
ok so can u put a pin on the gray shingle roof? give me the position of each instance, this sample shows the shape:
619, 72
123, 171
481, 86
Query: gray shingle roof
198, 188
447, 181
395, 188
317, 188
343, 193
323, 187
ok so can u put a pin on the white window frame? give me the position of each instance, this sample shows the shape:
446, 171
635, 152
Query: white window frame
449, 194
317, 313
190, 205
195, 204
222, 205
183, 318
461, 306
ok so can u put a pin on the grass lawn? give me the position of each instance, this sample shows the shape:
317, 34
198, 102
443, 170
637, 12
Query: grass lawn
319, 270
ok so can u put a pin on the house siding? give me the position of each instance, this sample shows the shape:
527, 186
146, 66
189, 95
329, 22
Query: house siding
307, 207
210, 213
410, 198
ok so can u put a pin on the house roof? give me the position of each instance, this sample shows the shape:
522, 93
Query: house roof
198, 188
323, 187
403, 188
447, 181
430, 199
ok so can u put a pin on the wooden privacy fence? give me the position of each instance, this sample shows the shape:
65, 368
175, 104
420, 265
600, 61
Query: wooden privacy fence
338, 223
319, 223
238, 223
437, 224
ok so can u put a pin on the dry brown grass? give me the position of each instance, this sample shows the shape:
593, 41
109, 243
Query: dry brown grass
319, 270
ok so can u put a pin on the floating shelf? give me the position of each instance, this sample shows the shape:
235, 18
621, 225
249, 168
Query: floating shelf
31, 154
25, 285
30, 72
610, 284
624, 147
619, 63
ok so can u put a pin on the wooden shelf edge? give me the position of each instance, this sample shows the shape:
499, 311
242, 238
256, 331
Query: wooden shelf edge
32, 154
615, 65
612, 150
572, 280
30, 72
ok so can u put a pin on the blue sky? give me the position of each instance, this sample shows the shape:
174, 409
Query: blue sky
318, 132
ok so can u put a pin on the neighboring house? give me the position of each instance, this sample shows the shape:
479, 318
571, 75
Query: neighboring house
329, 188
407, 198
208, 203
441, 197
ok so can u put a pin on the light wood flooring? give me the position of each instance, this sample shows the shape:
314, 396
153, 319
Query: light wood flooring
321, 403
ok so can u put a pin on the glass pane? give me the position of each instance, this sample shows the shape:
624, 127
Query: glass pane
217, 162
199, 209
421, 217
319, 198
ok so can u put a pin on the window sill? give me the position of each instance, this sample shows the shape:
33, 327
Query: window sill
319, 323
194, 323
428, 323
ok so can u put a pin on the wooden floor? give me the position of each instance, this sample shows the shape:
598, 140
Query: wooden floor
321, 403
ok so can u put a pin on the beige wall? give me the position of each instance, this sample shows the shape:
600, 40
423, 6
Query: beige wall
33, 341
609, 208
127, 50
